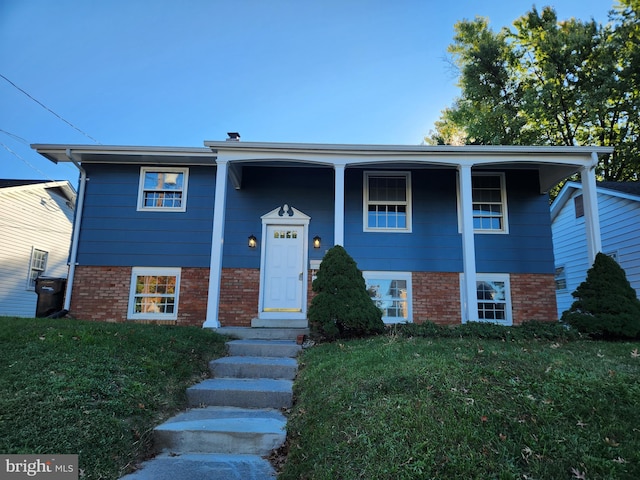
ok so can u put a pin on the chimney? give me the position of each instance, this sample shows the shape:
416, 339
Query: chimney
233, 137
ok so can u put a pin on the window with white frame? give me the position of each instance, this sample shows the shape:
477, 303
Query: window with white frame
391, 292
163, 189
493, 293
37, 266
154, 293
489, 202
387, 201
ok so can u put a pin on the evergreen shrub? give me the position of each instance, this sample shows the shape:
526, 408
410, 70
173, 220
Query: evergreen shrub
606, 305
342, 307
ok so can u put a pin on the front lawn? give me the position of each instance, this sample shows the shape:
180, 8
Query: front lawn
417, 408
95, 389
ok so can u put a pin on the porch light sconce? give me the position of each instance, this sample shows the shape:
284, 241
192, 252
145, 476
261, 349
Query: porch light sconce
253, 241
316, 242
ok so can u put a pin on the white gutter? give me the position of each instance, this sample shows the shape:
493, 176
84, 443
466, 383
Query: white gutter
76, 231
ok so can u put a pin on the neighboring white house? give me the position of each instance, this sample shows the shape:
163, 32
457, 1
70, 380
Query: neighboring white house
619, 214
36, 219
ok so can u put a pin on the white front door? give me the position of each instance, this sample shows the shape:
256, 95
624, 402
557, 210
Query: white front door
283, 273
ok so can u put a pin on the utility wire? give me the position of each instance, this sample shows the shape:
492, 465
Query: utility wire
15, 137
49, 110
26, 163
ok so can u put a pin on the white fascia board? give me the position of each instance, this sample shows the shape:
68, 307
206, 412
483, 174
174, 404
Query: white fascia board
419, 154
123, 154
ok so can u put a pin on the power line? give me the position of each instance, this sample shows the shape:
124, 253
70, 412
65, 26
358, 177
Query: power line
26, 163
49, 110
15, 137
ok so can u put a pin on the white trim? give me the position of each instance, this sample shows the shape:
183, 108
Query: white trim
468, 299
591, 215
366, 175
141, 189
491, 277
217, 243
338, 213
385, 275
156, 272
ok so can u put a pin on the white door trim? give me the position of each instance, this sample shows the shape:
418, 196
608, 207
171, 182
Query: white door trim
284, 216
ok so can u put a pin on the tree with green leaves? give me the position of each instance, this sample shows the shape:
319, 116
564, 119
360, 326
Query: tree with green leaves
550, 82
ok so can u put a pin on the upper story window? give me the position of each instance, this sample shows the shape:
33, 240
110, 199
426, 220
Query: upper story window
387, 201
37, 266
489, 203
163, 189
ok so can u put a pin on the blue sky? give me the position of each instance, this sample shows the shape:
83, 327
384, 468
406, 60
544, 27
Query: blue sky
169, 73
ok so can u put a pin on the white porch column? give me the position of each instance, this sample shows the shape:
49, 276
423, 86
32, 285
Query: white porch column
591, 215
469, 293
338, 215
217, 240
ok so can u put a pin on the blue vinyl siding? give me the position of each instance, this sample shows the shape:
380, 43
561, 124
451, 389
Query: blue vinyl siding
528, 247
114, 233
434, 244
310, 190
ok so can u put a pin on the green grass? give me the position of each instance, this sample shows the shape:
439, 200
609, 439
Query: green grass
95, 389
420, 408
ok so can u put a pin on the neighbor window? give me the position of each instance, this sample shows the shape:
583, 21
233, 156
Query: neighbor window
493, 297
578, 204
163, 189
387, 201
561, 278
154, 293
391, 292
37, 266
489, 202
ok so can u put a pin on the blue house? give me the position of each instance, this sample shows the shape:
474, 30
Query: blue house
231, 234
619, 218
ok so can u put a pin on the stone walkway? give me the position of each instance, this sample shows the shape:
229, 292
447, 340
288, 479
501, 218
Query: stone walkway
235, 419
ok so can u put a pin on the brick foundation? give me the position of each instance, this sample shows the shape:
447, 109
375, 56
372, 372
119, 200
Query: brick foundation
436, 297
239, 294
533, 297
102, 294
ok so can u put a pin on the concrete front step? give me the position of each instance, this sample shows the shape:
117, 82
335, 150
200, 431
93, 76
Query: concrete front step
222, 430
254, 367
204, 467
263, 348
242, 392
245, 333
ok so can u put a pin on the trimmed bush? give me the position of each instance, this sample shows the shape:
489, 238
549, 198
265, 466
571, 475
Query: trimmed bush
606, 305
342, 307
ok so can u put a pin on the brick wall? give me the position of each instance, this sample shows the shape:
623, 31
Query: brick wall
533, 297
436, 297
239, 293
102, 294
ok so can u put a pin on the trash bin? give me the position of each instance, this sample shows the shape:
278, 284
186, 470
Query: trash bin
50, 292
